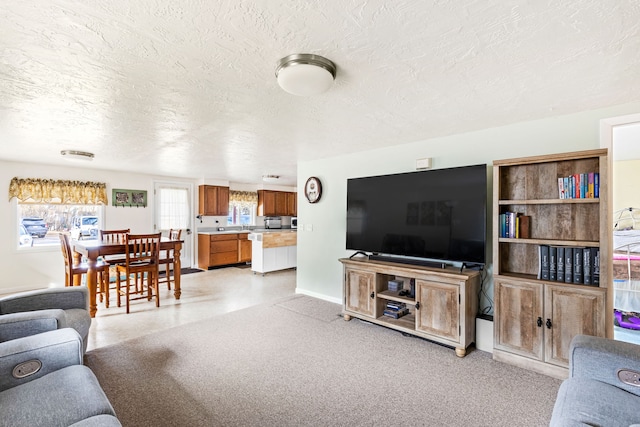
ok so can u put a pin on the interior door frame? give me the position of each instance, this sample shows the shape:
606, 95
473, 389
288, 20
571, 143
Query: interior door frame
606, 141
190, 241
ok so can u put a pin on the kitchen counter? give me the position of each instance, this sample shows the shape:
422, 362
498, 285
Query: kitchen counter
273, 250
239, 231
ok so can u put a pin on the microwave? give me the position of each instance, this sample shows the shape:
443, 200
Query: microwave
294, 222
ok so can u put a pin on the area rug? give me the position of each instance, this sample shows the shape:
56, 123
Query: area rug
184, 271
289, 364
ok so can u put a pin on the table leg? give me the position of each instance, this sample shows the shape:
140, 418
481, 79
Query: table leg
176, 271
76, 280
92, 280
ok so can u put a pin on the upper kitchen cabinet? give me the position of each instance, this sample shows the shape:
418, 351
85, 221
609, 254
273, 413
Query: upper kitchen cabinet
276, 203
213, 200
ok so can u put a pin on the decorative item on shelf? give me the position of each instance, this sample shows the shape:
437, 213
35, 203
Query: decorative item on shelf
129, 198
313, 189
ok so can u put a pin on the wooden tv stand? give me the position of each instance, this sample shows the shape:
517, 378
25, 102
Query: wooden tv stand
443, 309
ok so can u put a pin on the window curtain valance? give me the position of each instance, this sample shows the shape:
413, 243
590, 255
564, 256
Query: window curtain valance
243, 198
35, 190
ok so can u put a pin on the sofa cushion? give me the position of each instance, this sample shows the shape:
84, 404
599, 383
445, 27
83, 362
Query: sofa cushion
61, 398
583, 401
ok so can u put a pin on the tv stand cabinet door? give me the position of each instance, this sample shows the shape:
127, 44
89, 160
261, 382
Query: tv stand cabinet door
438, 312
359, 291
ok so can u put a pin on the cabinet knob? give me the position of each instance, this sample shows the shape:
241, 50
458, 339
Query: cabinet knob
372, 295
418, 305
549, 324
539, 322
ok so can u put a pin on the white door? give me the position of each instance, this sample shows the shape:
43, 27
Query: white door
174, 210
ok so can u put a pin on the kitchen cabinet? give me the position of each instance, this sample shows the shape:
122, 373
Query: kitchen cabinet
223, 249
442, 309
273, 251
213, 200
535, 318
276, 203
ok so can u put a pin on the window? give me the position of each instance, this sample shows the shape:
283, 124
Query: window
46, 208
243, 206
43, 222
174, 208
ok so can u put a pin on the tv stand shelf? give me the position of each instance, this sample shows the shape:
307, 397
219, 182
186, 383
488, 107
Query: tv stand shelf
443, 309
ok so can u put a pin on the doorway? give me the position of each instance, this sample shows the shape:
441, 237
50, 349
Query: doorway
173, 210
623, 137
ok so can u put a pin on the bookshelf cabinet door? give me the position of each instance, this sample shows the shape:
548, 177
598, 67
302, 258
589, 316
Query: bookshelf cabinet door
359, 288
439, 309
518, 307
571, 311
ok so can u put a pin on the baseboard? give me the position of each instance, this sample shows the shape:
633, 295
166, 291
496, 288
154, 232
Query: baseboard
319, 296
484, 335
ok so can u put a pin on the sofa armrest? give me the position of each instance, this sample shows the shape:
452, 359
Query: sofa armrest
18, 325
60, 298
54, 350
600, 359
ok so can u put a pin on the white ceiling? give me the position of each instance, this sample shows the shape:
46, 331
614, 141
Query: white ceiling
187, 88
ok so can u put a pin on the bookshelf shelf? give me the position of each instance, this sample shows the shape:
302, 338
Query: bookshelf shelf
547, 201
529, 187
443, 310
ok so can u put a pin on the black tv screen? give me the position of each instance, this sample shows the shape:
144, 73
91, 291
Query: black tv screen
436, 214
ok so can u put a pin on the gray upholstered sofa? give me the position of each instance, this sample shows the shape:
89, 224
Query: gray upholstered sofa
594, 394
33, 312
44, 383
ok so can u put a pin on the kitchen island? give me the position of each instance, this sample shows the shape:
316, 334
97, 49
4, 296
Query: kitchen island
273, 250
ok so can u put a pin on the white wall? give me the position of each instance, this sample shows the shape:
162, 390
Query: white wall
626, 176
38, 268
322, 226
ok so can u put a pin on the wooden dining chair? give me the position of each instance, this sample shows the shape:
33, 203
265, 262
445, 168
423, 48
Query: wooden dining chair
167, 259
71, 269
141, 263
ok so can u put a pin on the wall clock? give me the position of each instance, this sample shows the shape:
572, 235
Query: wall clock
313, 189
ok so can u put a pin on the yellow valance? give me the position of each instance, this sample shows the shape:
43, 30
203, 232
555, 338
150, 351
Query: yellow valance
243, 197
34, 190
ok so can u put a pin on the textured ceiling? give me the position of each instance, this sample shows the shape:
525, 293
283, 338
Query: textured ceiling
188, 89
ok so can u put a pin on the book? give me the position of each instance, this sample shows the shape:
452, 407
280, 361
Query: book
578, 261
512, 225
396, 314
560, 266
576, 177
568, 265
595, 263
525, 227
567, 189
586, 266
596, 185
553, 262
543, 259
590, 192
561, 188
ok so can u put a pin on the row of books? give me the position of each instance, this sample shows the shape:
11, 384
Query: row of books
579, 186
515, 225
569, 264
395, 309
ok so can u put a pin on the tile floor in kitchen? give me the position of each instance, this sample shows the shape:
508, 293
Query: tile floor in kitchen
204, 294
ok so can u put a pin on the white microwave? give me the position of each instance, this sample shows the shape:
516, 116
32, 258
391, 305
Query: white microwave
294, 222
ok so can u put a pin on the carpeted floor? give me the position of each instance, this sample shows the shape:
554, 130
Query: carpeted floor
294, 362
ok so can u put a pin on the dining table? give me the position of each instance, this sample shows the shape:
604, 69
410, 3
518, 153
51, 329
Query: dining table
91, 250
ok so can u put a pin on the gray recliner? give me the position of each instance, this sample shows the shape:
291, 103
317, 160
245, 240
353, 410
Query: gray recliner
595, 393
43, 383
44, 310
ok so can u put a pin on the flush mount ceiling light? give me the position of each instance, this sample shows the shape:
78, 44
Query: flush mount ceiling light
77, 155
270, 178
304, 74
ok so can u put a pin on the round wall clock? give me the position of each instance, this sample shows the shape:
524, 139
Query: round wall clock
313, 189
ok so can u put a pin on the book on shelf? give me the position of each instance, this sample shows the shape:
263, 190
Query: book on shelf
584, 185
394, 305
543, 262
515, 225
568, 265
561, 189
553, 263
578, 260
560, 263
586, 266
595, 266
596, 185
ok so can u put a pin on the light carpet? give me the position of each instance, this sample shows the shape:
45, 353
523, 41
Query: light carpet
294, 362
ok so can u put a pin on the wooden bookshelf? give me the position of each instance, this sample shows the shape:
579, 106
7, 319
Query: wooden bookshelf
535, 320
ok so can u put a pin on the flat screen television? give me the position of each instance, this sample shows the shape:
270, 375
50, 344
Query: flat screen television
427, 215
